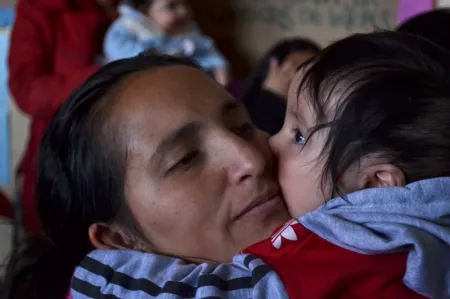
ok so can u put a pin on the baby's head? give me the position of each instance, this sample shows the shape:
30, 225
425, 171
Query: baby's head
372, 110
169, 16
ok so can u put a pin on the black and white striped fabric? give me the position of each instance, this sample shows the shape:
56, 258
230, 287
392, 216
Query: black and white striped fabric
131, 274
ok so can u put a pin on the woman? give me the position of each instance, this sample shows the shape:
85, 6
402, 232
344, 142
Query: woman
55, 45
186, 162
266, 92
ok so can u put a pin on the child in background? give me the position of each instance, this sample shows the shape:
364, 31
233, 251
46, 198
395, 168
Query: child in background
369, 119
265, 95
166, 27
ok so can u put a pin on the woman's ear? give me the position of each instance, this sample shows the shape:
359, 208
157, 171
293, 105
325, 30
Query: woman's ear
105, 236
383, 175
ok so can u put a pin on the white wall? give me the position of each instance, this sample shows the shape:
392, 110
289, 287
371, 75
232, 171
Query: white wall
443, 3
18, 122
19, 137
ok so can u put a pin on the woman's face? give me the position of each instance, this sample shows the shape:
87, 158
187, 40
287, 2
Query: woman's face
200, 181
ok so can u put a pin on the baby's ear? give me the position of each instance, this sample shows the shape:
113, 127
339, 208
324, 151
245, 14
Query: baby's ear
383, 175
370, 173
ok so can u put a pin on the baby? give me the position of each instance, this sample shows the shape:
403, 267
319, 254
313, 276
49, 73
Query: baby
165, 27
368, 121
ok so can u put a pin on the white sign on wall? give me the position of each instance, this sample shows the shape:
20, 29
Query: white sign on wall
257, 24
443, 3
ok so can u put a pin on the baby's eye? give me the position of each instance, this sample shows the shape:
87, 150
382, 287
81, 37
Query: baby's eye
299, 138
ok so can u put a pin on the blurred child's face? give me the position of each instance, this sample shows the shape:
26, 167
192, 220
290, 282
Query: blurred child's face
300, 165
170, 16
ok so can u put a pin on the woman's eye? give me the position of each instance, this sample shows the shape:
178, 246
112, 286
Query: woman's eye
299, 138
186, 161
246, 130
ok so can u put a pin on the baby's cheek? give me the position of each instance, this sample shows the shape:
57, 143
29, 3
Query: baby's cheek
285, 169
290, 179
301, 186
292, 165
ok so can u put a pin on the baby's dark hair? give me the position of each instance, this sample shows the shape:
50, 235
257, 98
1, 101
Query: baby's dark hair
382, 94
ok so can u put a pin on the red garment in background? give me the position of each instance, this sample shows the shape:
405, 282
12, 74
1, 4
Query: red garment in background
313, 268
54, 44
5, 206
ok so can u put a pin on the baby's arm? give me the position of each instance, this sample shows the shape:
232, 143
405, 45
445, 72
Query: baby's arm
210, 58
133, 274
213, 59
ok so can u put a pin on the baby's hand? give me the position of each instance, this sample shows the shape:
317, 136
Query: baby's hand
222, 75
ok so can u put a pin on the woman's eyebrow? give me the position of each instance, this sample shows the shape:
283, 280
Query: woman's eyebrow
186, 132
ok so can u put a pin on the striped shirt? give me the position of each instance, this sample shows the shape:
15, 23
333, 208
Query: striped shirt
132, 274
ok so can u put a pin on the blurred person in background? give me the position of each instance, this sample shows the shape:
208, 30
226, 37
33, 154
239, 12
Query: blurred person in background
55, 46
432, 25
267, 87
166, 27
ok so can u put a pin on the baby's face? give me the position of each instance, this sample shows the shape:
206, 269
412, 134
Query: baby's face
170, 16
300, 165
304, 179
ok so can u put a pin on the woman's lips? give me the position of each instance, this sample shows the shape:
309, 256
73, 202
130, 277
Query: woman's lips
263, 209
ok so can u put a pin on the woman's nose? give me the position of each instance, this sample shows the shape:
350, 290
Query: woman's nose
248, 160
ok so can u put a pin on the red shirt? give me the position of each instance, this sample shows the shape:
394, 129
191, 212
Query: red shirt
313, 268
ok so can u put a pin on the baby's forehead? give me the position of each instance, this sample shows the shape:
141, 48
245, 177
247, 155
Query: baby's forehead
303, 101
299, 107
294, 88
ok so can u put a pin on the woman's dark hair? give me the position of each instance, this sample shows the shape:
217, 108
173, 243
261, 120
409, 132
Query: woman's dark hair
433, 25
280, 51
80, 182
382, 94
